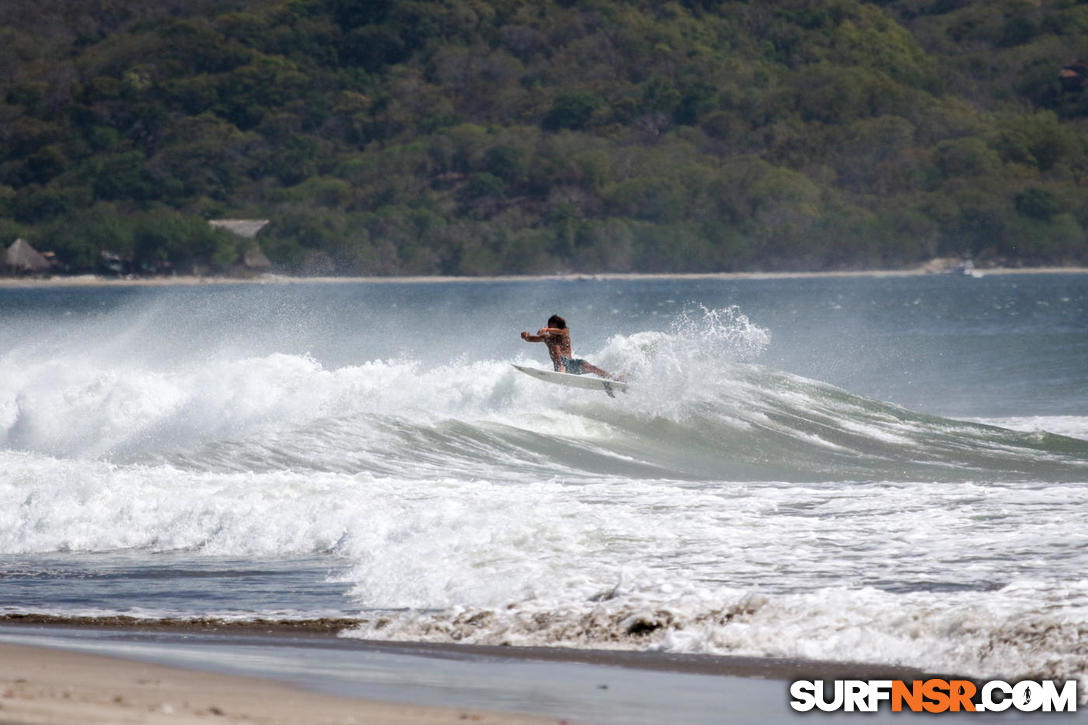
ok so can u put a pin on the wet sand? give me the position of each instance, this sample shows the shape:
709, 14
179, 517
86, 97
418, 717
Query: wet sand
49, 686
271, 672
325, 632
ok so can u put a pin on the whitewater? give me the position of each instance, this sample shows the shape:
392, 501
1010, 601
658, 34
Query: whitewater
891, 471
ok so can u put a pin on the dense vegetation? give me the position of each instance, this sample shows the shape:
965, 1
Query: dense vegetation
485, 136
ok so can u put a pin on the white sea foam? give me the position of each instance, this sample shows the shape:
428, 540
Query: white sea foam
951, 577
1074, 426
721, 506
998, 634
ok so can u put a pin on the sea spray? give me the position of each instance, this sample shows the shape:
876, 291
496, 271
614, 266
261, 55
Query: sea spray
697, 343
695, 411
369, 450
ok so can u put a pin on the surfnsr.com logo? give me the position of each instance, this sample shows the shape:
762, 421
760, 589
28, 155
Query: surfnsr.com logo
933, 695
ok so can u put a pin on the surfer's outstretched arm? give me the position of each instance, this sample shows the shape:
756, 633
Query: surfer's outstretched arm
545, 334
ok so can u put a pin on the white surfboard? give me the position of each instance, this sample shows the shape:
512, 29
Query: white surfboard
590, 382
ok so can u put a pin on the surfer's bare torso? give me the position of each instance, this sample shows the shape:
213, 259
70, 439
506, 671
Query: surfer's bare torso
558, 343
557, 337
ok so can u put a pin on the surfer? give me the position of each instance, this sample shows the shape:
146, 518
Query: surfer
557, 337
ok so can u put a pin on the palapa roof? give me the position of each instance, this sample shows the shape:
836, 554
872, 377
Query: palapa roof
25, 258
242, 227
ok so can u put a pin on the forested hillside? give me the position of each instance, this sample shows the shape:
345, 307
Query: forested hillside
476, 137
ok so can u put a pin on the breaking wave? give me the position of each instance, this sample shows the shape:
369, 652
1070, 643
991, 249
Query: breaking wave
720, 506
698, 409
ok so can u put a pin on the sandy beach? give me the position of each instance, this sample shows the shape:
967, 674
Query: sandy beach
43, 686
326, 633
174, 671
183, 280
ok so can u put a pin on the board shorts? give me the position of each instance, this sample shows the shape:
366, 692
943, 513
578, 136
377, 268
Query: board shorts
573, 365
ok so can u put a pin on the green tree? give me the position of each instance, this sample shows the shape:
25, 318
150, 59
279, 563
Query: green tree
1037, 203
572, 111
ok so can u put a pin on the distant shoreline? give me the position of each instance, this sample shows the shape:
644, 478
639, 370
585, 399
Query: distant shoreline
192, 280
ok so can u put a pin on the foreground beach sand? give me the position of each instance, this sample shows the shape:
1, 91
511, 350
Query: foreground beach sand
67, 671
41, 686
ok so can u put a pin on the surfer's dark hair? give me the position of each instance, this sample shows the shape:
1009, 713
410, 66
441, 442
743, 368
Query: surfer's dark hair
557, 321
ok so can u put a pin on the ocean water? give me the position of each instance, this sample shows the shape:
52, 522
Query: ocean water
889, 470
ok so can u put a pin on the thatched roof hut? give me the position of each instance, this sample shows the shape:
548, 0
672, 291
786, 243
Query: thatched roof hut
254, 257
22, 258
247, 228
